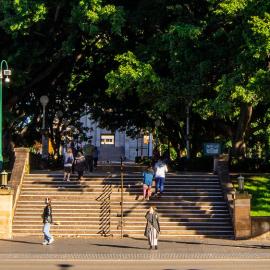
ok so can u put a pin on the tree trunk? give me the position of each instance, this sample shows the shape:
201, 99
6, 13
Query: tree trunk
239, 145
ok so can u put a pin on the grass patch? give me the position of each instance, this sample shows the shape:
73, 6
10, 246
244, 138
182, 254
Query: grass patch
259, 188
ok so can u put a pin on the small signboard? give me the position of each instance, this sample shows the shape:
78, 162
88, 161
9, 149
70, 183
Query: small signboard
212, 149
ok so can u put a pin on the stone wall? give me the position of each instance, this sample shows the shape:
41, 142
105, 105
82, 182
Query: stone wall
222, 167
6, 201
260, 227
21, 166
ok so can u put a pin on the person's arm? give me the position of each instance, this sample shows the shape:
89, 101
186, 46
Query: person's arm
50, 211
166, 168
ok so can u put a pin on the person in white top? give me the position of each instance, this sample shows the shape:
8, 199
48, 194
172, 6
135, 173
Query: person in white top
160, 173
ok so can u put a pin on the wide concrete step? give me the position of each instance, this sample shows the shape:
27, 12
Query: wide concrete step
58, 214
118, 175
134, 235
68, 191
118, 210
128, 232
135, 228
131, 198
126, 218
131, 188
78, 208
131, 204
127, 222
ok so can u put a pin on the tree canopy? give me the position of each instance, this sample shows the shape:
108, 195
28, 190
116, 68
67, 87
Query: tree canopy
129, 63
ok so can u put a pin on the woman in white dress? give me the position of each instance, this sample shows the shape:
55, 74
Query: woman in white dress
152, 228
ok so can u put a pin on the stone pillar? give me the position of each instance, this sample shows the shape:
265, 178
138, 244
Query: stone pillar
222, 167
21, 167
6, 201
241, 216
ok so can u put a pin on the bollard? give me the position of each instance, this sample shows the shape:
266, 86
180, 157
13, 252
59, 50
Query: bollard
3, 178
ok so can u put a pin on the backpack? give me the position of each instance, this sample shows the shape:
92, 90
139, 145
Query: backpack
69, 160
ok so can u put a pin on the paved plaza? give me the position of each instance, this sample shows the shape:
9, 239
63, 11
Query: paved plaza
122, 254
133, 249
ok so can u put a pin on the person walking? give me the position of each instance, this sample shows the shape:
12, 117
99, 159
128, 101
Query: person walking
68, 162
148, 176
95, 156
88, 151
47, 221
160, 171
152, 228
80, 165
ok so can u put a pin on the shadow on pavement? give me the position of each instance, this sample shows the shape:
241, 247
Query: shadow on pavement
64, 266
210, 244
117, 246
23, 242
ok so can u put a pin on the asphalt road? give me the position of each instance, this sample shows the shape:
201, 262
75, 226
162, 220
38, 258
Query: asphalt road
137, 265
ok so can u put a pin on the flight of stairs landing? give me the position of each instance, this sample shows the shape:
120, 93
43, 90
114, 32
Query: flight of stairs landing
192, 206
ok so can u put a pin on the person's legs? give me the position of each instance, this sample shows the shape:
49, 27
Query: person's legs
68, 173
95, 162
80, 174
149, 191
157, 184
155, 239
90, 163
46, 232
87, 163
161, 184
144, 191
162, 180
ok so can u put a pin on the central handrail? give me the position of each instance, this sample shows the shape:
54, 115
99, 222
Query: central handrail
122, 197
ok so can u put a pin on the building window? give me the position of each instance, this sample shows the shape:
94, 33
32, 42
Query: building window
107, 139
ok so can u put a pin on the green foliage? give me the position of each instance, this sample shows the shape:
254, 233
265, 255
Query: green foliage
132, 75
259, 188
20, 15
231, 7
130, 63
90, 13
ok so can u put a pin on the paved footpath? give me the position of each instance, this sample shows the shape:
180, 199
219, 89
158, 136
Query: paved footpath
133, 254
108, 249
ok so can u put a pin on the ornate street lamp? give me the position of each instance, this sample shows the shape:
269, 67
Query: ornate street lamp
241, 183
4, 74
44, 100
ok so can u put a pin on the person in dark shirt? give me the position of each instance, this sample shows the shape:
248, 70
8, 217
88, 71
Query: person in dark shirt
80, 165
47, 221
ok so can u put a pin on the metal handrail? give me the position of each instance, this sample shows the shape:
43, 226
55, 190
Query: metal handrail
122, 197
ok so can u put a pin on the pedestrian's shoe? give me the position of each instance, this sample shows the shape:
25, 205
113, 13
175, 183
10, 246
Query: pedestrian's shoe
45, 242
156, 247
51, 241
150, 247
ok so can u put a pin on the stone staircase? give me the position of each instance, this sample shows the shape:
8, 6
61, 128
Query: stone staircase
192, 205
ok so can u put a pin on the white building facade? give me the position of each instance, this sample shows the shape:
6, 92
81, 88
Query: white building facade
114, 145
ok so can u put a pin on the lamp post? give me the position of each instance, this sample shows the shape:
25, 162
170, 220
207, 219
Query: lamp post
188, 131
241, 182
44, 101
4, 74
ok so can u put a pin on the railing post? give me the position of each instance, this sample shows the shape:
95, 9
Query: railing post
122, 196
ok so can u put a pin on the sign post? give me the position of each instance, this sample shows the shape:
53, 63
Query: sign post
214, 150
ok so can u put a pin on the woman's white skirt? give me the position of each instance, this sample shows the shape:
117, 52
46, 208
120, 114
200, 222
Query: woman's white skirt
153, 237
